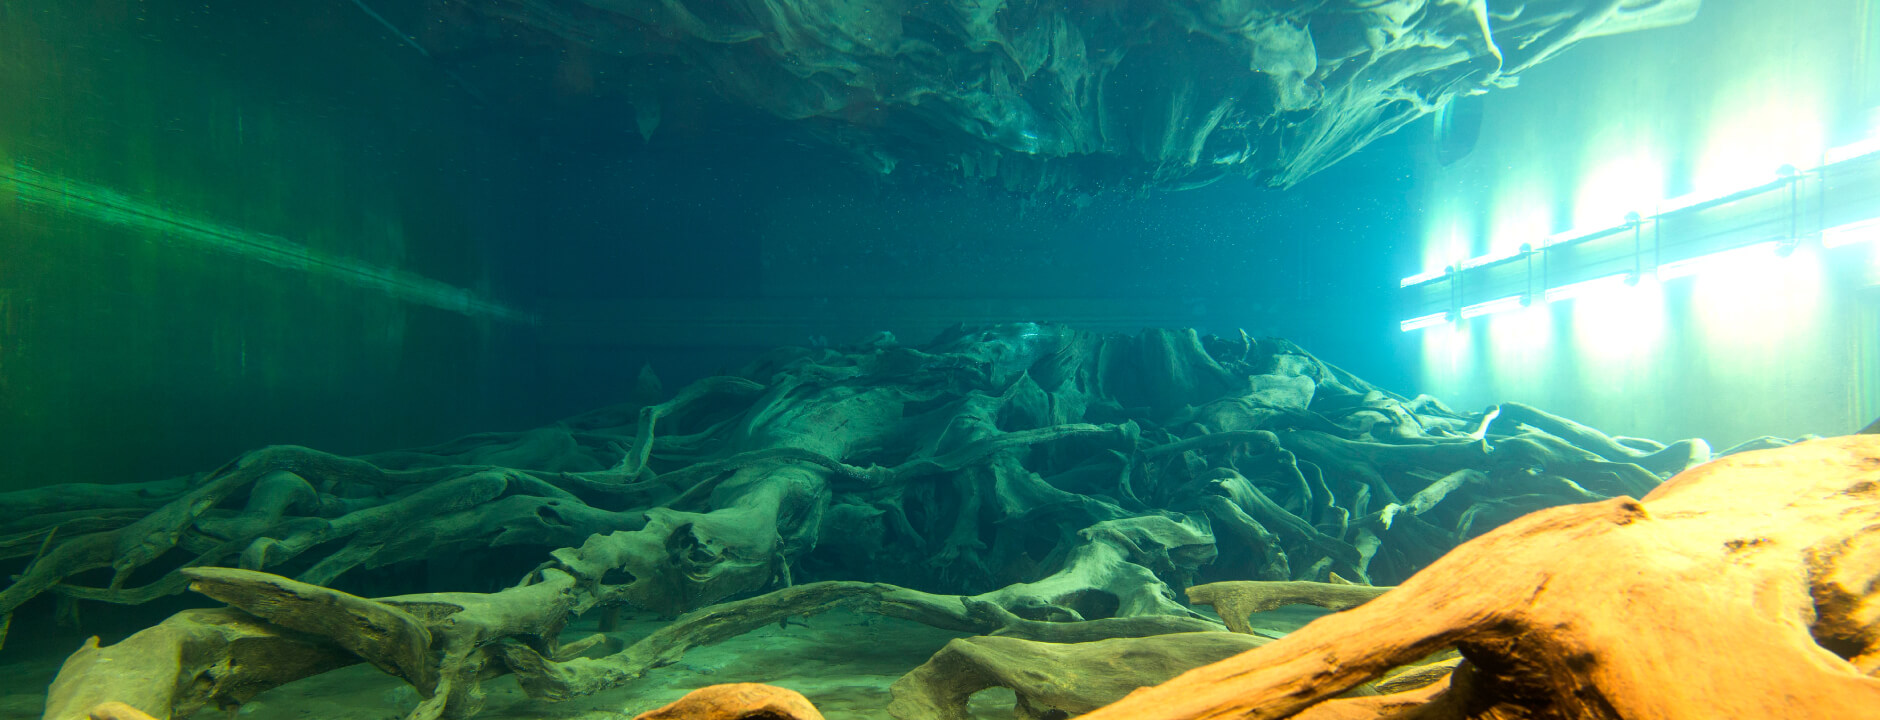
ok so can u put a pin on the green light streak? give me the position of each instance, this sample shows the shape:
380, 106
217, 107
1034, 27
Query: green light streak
111, 207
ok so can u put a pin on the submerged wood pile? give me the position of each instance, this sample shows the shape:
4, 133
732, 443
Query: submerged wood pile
1748, 588
1033, 481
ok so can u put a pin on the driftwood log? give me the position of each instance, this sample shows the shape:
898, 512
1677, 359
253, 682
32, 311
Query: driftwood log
1029, 479
1050, 679
1235, 600
1746, 588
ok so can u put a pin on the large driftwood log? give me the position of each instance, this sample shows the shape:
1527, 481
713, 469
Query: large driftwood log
1746, 588
194, 659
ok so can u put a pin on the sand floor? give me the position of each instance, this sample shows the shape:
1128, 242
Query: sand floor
843, 662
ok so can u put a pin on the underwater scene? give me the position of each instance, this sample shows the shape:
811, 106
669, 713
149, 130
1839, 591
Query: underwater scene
939, 359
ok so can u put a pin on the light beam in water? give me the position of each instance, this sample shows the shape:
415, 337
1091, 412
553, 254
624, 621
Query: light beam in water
109, 206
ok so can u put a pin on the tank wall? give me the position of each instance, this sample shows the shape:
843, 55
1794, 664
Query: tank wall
226, 225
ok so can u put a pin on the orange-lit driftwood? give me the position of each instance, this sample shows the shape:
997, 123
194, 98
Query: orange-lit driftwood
1745, 588
737, 701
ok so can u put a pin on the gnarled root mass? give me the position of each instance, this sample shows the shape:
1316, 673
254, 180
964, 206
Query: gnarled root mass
1063, 98
1749, 588
1037, 480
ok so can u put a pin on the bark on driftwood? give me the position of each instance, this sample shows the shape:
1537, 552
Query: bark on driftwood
1032, 480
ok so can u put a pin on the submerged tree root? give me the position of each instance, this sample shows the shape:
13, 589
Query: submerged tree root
1749, 588
1235, 600
304, 629
1027, 480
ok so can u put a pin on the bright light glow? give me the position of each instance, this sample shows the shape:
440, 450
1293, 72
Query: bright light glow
1643, 355
1852, 150
1765, 119
1760, 316
1448, 352
1618, 332
1595, 286
1447, 236
1423, 277
1520, 348
1521, 209
1512, 302
1750, 290
1854, 232
1733, 261
1631, 181
1419, 323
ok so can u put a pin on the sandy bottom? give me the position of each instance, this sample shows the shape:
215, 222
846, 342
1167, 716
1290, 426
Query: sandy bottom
843, 662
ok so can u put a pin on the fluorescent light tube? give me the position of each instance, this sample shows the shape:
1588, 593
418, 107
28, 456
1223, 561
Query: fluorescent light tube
1735, 257
1420, 278
1577, 233
1476, 262
1418, 323
1584, 288
1851, 233
1852, 150
1512, 302
1689, 200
